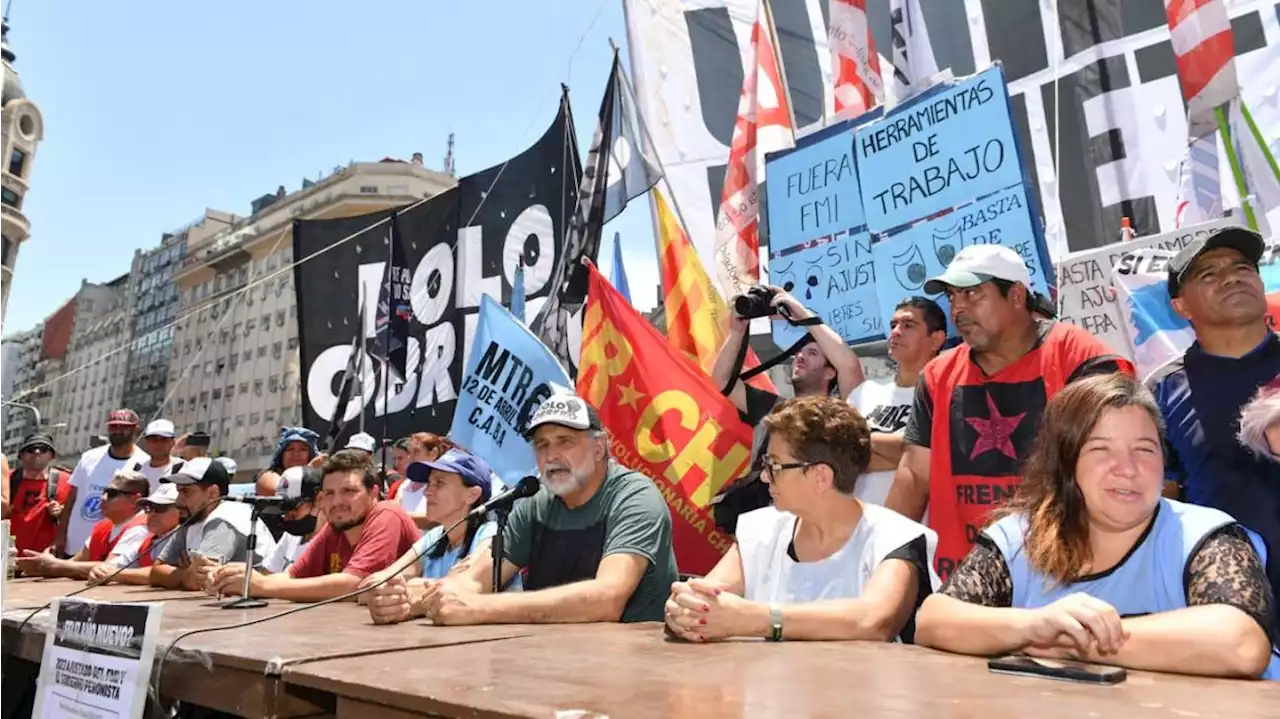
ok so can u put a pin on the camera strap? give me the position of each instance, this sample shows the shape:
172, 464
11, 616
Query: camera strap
735, 377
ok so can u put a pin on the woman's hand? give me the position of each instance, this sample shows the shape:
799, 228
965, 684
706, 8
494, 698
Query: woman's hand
1080, 619
701, 610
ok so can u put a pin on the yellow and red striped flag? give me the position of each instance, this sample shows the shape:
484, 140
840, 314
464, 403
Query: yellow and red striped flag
665, 418
697, 317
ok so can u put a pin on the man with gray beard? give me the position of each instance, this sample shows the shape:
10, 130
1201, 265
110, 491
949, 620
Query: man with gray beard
595, 541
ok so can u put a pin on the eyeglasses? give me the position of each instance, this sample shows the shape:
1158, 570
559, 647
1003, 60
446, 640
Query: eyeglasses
112, 493
771, 468
157, 508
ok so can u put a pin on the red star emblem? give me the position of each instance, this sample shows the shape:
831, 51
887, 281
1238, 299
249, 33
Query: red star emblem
995, 432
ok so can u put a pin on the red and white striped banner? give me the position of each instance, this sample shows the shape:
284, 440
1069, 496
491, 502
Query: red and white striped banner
858, 86
763, 125
1204, 44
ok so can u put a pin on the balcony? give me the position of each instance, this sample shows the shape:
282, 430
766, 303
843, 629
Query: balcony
16, 226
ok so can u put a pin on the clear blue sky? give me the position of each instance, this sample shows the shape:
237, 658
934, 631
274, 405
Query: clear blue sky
156, 110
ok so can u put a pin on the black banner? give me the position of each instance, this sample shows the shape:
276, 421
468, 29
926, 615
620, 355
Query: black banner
459, 245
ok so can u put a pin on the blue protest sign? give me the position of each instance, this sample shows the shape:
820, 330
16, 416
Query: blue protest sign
507, 376
819, 248
904, 261
943, 149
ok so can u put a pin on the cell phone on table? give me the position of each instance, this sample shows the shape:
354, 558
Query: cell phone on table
1057, 669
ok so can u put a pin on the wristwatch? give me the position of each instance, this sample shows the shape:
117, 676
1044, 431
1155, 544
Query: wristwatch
775, 620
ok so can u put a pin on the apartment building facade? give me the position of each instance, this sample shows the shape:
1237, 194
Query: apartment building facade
21, 354
85, 373
235, 369
152, 306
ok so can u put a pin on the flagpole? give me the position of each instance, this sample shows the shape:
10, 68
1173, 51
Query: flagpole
386, 366
1237, 170
1258, 138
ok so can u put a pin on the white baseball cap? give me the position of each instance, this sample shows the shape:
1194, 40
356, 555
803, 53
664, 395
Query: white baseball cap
976, 264
229, 463
166, 494
361, 440
160, 428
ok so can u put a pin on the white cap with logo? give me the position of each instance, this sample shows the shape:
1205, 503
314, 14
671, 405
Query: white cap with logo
976, 264
160, 428
361, 440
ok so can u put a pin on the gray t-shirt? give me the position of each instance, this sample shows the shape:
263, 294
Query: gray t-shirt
627, 515
223, 534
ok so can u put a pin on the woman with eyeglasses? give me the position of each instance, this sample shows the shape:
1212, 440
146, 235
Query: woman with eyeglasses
819, 564
1090, 562
122, 530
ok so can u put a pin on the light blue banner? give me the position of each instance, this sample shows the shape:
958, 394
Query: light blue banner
941, 150
905, 260
507, 376
819, 248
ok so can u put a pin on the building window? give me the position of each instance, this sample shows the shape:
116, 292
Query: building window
181, 404
265, 322
276, 350
293, 343
280, 318
9, 246
254, 419
368, 189
230, 391
204, 399
239, 420
262, 351
217, 393
248, 355
244, 388
257, 388
274, 384
10, 198
17, 162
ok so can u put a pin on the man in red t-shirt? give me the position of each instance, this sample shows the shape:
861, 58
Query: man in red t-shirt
977, 407
122, 530
34, 504
361, 536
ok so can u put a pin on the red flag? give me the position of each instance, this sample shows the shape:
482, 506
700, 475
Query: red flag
763, 125
858, 86
665, 419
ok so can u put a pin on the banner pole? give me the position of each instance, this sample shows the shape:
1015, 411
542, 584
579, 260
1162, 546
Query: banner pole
1241, 186
1257, 137
386, 366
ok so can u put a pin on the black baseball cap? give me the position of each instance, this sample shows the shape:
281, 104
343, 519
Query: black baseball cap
37, 440
204, 471
1246, 242
198, 439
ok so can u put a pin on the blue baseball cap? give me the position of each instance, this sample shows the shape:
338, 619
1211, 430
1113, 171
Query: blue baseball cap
474, 471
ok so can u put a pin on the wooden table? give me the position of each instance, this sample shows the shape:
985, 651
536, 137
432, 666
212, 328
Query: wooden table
331, 661
238, 670
632, 671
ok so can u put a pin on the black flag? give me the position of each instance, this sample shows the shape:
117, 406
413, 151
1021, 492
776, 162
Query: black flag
617, 170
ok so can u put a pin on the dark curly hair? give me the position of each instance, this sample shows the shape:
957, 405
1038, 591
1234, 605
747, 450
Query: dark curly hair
825, 430
1057, 538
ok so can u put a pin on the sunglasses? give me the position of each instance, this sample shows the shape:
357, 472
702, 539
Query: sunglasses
38, 450
112, 493
157, 508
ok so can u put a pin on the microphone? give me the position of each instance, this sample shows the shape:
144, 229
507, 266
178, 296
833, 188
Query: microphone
526, 487
255, 499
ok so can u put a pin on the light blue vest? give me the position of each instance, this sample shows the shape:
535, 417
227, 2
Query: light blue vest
1148, 581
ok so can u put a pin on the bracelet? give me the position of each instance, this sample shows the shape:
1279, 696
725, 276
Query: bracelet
775, 620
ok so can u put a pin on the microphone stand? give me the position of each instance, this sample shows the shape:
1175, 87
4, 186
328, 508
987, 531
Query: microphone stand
246, 601
496, 544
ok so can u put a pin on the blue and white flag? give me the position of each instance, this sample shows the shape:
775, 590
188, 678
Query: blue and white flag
619, 279
509, 373
517, 294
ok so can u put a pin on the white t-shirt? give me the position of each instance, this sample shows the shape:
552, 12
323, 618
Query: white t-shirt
771, 575
154, 474
93, 474
413, 497
886, 407
287, 551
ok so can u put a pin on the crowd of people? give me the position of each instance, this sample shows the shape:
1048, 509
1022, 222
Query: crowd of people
1020, 492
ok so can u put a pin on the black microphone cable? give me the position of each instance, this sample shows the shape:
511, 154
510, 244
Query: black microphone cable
166, 538
525, 488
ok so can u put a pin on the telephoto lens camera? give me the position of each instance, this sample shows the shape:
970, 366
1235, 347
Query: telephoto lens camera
756, 302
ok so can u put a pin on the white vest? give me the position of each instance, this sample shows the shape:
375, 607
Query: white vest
771, 575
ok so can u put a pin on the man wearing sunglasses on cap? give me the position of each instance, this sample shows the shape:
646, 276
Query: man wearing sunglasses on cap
38, 492
162, 518
122, 530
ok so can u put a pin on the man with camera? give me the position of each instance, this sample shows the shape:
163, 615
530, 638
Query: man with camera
823, 365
